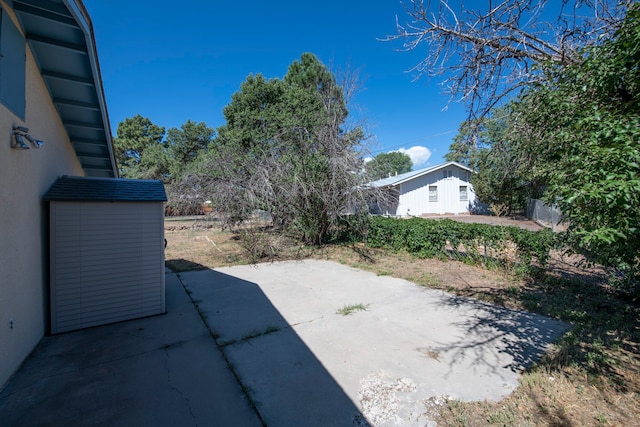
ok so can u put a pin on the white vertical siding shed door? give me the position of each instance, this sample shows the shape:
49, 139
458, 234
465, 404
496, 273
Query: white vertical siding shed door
107, 262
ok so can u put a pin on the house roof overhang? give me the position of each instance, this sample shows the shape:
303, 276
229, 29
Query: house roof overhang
399, 179
60, 36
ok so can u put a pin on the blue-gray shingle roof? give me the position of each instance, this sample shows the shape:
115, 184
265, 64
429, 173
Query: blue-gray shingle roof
76, 188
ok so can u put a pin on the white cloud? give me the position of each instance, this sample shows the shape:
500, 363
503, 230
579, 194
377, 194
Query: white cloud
368, 159
419, 155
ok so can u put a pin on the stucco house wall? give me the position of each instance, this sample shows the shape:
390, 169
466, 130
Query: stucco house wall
25, 176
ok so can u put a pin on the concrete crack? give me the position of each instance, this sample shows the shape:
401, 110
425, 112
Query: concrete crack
253, 334
176, 389
214, 336
269, 330
306, 321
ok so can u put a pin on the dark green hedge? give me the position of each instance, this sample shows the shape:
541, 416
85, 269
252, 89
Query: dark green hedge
448, 239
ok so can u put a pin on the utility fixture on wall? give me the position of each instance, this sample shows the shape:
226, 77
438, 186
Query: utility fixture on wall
20, 133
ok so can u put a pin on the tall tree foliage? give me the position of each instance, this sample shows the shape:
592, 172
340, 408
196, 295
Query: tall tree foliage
505, 176
285, 149
387, 164
574, 123
583, 124
142, 151
185, 144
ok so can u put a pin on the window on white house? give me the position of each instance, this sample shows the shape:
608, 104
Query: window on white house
433, 193
12, 65
447, 173
464, 195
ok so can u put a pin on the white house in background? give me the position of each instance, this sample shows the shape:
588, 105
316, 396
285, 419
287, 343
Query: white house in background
437, 190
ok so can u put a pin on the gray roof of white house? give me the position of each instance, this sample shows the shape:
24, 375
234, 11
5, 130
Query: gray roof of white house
60, 35
408, 176
91, 189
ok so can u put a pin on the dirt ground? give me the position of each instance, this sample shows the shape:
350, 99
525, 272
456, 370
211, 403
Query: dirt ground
198, 242
591, 378
493, 220
201, 241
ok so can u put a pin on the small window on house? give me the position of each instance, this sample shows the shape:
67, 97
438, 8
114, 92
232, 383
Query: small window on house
12, 65
464, 195
447, 173
433, 193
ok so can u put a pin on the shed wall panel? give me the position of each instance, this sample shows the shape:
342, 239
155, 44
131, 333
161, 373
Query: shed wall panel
107, 263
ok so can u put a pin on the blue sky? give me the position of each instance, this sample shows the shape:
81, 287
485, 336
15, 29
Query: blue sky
173, 61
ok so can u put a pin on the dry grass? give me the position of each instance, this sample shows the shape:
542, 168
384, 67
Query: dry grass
200, 243
592, 376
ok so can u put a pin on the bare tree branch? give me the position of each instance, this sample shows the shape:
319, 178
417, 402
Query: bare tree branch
487, 53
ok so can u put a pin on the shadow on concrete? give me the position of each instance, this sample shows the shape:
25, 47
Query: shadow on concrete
155, 371
524, 337
283, 378
179, 265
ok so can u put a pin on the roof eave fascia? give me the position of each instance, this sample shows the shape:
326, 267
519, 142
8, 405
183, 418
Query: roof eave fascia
460, 165
81, 16
433, 169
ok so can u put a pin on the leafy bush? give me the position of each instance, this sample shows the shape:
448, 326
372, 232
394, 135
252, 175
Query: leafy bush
475, 243
349, 229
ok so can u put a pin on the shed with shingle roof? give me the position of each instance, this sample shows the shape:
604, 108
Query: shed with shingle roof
107, 250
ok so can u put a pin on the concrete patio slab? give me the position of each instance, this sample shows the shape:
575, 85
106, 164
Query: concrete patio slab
305, 364
164, 370
282, 354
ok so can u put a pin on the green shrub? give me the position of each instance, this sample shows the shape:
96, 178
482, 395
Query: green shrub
474, 243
